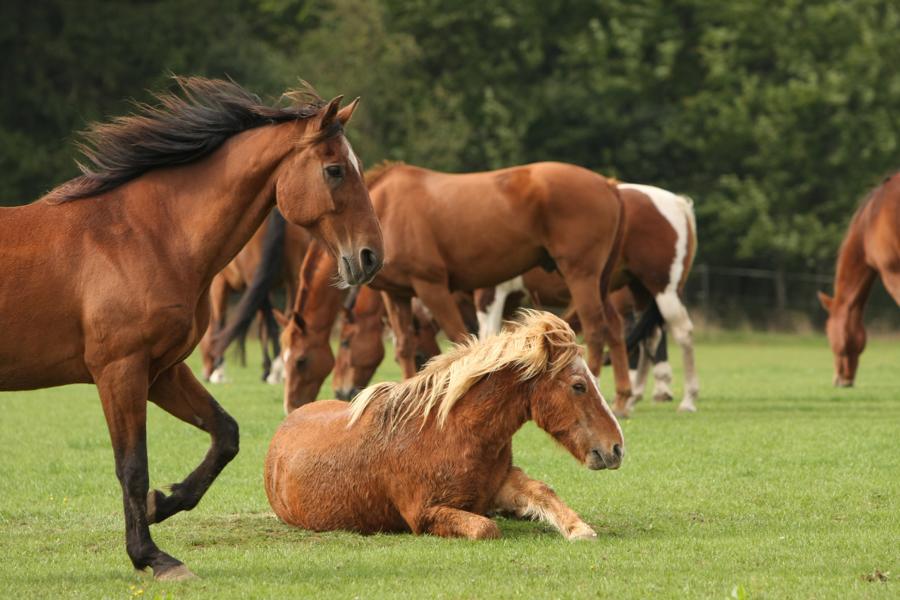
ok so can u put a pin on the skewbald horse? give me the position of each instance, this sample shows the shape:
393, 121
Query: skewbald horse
115, 266
433, 454
870, 249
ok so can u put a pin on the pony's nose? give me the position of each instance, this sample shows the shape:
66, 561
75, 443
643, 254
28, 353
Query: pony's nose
618, 451
370, 262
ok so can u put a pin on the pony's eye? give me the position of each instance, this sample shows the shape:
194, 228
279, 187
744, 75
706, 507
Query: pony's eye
579, 388
334, 171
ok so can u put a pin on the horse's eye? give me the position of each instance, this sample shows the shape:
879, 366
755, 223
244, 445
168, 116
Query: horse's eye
334, 171
579, 388
300, 362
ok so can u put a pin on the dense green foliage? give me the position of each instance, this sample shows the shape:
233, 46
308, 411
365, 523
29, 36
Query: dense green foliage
775, 116
780, 487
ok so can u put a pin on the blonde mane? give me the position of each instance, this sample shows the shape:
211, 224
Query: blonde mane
537, 343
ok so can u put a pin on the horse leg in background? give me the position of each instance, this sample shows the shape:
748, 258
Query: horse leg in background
679, 324
276, 368
639, 376
490, 314
444, 521
662, 370
528, 498
178, 392
399, 312
213, 365
263, 335
593, 315
438, 299
123, 388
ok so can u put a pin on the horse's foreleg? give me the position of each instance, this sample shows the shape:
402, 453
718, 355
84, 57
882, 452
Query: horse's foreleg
662, 370
444, 521
599, 321
528, 498
439, 300
400, 317
679, 324
179, 393
123, 392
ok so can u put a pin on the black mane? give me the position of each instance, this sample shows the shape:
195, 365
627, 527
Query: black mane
181, 127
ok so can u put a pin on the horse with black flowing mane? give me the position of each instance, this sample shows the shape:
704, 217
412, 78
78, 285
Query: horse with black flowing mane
433, 454
871, 248
115, 265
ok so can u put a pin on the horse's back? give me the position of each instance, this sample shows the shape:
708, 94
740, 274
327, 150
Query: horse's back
320, 474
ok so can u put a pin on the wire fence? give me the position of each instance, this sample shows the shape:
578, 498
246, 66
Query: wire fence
732, 297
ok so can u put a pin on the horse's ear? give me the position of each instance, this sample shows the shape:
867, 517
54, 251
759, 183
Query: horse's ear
280, 318
345, 113
330, 112
826, 301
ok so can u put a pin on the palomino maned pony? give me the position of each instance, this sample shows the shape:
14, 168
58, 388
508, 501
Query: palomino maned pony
870, 249
446, 232
115, 265
240, 275
659, 246
433, 454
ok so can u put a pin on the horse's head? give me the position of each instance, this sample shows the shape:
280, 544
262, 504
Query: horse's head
570, 407
361, 346
320, 186
308, 360
847, 337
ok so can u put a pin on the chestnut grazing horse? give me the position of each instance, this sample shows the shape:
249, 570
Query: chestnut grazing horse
870, 249
659, 246
115, 265
252, 274
306, 335
446, 232
433, 454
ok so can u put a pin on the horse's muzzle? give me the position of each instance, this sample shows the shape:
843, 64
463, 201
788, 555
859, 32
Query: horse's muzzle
599, 459
360, 269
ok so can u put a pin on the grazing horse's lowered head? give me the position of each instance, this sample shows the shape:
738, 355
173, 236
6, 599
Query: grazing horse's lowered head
847, 337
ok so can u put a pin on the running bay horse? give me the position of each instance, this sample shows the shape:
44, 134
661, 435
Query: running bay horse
446, 232
871, 248
115, 265
659, 246
433, 454
239, 276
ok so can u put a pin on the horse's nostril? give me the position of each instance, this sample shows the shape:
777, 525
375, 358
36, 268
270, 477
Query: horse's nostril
617, 450
369, 261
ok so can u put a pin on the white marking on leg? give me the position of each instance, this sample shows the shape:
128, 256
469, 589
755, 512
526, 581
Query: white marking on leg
218, 375
276, 373
679, 323
662, 377
490, 322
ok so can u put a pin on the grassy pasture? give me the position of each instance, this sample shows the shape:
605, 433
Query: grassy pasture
780, 487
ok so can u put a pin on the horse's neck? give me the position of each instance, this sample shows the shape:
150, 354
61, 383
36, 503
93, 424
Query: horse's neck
497, 407
219, 202
854, 277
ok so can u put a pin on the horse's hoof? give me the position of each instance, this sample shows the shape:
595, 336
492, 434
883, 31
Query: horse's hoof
663, 397
176, 573
685, 407
622, 414
582, 533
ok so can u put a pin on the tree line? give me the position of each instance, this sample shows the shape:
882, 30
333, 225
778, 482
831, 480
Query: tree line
774, 116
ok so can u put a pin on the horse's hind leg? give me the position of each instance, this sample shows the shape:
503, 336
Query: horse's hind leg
445, 521
179, 393
400, 317
123, 392
525, 497
679, 324
662, 370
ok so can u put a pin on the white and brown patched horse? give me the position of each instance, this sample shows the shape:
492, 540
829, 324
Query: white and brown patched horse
659, 248
433, 454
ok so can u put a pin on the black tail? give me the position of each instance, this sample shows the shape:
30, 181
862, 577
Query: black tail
256, 296
649, 320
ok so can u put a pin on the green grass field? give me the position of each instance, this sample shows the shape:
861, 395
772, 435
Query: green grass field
780, 487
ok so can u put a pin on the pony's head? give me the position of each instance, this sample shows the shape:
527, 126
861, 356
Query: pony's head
361, 347
307, 359
320, 186
547, 381
847, 336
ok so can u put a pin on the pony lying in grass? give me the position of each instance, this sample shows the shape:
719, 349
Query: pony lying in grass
433, 454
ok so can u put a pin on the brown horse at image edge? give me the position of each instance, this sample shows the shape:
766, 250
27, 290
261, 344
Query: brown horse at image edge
433, 454
871, 248
115, 266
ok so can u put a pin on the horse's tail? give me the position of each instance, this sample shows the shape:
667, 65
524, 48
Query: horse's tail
649, 320
256, 296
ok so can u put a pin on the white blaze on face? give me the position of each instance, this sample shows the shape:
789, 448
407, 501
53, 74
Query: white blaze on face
674, 208
352, 156
286, 355
590, 377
